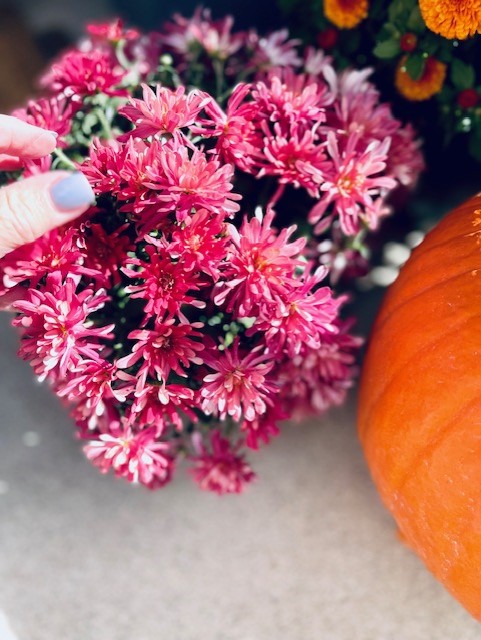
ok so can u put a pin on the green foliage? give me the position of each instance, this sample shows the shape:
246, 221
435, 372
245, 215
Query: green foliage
380, 41
387, 49
462, 74
415, 65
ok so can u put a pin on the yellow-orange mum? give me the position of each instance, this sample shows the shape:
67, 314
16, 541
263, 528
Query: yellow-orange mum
452, 18
346, 14
430, 83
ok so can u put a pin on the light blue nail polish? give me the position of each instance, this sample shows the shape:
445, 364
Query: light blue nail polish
72, 193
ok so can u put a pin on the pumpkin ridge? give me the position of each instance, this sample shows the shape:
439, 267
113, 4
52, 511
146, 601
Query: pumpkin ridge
395, 374
385, 317
428, 450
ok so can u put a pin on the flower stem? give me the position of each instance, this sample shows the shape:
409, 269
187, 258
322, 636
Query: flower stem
65, 159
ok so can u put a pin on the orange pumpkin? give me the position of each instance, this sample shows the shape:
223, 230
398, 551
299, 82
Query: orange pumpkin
420, 402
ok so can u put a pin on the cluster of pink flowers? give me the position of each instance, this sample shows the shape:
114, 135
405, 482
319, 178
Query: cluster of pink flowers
186, 314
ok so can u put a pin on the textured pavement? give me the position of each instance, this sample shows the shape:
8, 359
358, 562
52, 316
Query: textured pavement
308, 553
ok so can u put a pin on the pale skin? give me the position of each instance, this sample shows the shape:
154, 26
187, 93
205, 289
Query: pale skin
27, 207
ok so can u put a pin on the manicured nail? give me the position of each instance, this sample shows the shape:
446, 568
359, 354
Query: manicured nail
72, 193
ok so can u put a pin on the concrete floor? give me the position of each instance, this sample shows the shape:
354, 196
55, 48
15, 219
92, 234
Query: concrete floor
308, 553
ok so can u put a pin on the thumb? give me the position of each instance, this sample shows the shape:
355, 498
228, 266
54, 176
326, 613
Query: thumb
31, 207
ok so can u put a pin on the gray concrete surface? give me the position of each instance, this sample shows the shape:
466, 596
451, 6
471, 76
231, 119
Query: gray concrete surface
308, 553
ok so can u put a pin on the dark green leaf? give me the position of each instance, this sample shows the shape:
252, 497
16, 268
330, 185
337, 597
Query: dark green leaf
462, 74
415, 65
387, 49
415, 21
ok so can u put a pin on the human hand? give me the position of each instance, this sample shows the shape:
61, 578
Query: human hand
31, 207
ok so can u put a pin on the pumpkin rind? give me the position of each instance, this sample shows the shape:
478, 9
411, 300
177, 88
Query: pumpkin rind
420, 402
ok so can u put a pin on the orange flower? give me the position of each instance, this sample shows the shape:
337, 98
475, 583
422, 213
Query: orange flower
346, 14
430, 83
452, 18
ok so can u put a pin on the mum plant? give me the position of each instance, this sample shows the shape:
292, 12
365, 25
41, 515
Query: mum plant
425, 53
192, 309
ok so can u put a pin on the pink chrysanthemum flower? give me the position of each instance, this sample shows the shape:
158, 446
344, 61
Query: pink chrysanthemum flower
56, 251
104, 165
54, 113
57, 332
220, 468
112, 32
162, 405
81, 73
304, 314
352, 185
170, 346
104, 253
162, 282
240, 385
292, 99
185, 36
187, 180
317, 379
405, 160
275, 50
238, 138
164, 112
295, 158
263, 428
92, 382
259, 265
140, 458
200, 243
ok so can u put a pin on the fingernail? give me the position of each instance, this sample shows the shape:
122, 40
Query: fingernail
72, 193
52, 133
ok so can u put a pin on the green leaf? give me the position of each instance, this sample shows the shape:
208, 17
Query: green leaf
396, 9
415, 65
415, 21
387, 49
462, 75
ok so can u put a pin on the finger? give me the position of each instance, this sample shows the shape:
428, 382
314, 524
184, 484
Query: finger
18, 138
31, 207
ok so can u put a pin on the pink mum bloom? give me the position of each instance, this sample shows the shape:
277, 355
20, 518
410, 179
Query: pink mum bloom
221, 469
295, 158
55, 251
303, 315
112, 32
352, 184
275, 50
292, 99
239, 386
184, 35
188, 180
57, 332
85, 73
164, 283
200, 243
318, 379
91, 381
164, 112
258, 266
162, 405
405, 160
104, 165
170, 346
104, 253
139, 458
54, 113
238, 138
264, 427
